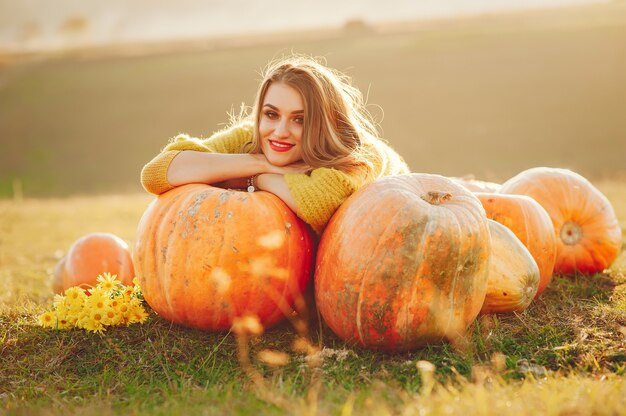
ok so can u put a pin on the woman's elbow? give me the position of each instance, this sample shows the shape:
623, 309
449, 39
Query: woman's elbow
154, 178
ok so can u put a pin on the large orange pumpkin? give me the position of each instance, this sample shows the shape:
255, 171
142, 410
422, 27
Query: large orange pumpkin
513, 273
530, 223
206, 256
403, 262
90, 256
589, 237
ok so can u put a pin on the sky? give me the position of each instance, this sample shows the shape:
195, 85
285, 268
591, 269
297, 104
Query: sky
47, 24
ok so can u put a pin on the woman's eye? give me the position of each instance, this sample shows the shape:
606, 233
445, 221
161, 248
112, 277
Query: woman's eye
299, 120
271, 115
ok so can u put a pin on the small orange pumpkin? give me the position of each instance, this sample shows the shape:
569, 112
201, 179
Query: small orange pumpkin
403, 262
206, 256
90, 256
530, 223
589, 237
513, 273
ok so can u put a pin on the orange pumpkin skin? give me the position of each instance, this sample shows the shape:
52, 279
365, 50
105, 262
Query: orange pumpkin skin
513, 273
532, 226
395, 272
589, 237
474, 185
206, 256
90, 256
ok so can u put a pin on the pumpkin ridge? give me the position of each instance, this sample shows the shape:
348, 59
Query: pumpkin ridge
364, 274
154, 228
225, 205
280, 299
174, 233
187, 206
433, 225
470, 267
223, 202
287, 290
456, 274
419, 264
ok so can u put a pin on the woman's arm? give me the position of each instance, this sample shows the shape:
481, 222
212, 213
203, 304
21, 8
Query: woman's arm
202, 167
226, 170
155, 175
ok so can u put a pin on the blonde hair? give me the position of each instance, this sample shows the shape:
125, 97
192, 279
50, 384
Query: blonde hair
336, 124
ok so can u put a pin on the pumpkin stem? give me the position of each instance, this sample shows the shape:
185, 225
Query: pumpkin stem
571, 233
436, 197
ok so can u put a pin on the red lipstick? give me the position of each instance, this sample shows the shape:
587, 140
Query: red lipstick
281, 147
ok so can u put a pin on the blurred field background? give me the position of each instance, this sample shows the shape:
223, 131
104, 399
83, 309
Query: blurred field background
487, 95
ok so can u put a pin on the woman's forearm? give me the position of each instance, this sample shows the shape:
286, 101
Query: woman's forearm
210, 168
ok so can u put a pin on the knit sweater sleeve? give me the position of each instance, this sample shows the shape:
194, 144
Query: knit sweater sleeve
230, 140
319, 195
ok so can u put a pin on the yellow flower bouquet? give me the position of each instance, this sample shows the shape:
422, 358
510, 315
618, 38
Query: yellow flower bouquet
109, 303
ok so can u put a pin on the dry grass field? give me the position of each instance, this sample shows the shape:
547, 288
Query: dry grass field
564, 355
489, 96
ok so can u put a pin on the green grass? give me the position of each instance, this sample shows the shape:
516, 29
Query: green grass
564, 354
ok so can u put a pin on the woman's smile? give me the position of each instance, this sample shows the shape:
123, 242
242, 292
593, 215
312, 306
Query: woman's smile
280, 146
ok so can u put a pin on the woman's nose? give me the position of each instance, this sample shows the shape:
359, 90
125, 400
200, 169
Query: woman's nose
282, 129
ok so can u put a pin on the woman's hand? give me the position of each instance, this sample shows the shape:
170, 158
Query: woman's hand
268, 169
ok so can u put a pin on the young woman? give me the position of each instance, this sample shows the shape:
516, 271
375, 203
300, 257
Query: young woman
309, 141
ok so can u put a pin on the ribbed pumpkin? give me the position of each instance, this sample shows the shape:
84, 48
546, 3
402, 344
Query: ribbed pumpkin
403, 262
513, 273
530, 223
206, 256
90, 256
589, 237
475, 185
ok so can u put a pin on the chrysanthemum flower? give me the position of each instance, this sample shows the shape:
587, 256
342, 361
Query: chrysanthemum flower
109, 303
64, 323
65, 319
48, 319
108, 282
115, 303
93, 323
97, 291
137, 315
128, 292
74, 300
112, 317
75, 294
97, 301
58, 299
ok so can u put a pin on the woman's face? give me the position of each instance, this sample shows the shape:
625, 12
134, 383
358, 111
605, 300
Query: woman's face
281, 124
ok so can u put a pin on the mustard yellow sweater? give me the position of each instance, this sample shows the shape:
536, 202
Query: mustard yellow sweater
317, 195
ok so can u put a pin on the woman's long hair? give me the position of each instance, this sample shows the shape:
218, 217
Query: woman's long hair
336, 127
